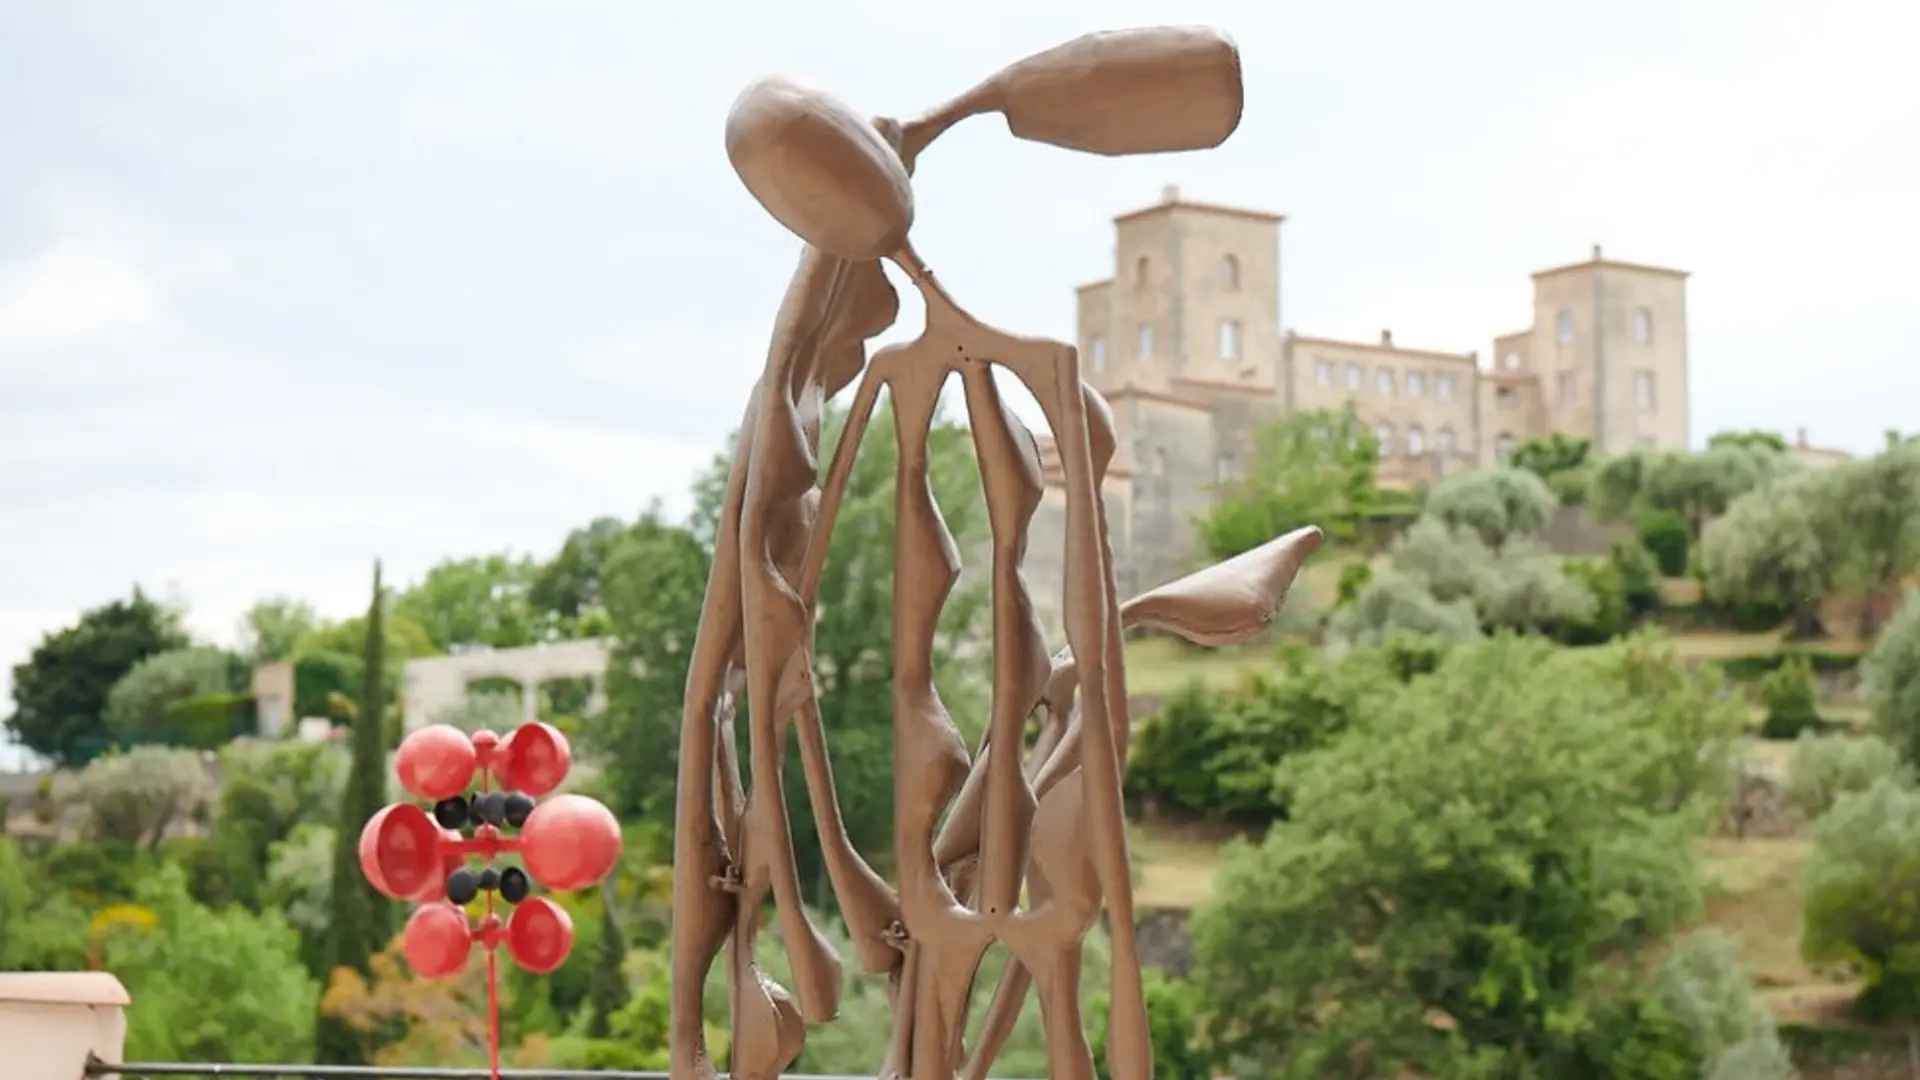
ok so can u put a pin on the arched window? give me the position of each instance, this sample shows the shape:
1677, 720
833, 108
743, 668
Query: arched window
1416, 441
1140, 272
1229, 273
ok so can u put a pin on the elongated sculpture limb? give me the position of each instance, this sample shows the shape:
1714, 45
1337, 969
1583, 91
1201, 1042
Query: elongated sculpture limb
972, 833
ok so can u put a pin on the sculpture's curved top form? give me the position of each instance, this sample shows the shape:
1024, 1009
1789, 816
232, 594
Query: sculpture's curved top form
1021, 840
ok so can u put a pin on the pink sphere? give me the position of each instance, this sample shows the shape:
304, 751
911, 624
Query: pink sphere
436, 762
400, 852
534, 759
570, 842
540, 935
438, 940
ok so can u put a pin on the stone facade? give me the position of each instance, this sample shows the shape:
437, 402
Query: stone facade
1186, 343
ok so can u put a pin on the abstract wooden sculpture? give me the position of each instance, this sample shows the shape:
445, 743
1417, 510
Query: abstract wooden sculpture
974, 833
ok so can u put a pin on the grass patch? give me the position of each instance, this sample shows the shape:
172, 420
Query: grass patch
1177, 863
1159, 666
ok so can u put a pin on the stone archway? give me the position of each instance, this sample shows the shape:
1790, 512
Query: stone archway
432, 684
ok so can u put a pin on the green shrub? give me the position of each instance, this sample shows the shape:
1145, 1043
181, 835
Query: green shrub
1480, 848
1863, 896
1791, 698
1826, 767
1664, 533
322, 679
1890, 680
1639, 576
210, 721
1174, 1029
1354, 578
1703, 985
1756, 666
1609, 615
1214, 754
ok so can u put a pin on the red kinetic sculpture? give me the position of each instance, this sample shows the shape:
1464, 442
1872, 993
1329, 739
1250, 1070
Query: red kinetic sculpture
567, 842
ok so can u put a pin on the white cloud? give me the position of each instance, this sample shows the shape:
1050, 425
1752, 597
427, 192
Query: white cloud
74, 293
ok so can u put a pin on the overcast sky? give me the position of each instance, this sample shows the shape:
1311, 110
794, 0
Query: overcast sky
287, 286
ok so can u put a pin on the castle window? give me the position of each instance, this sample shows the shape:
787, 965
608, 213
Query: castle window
1383, 381
1229, 273
1356, 376
1563, 327
1416, 384
1416, 441
1512, 361
1569, 388
1143, 343
1225, 468
1643, 326
1505, 398
1229, 339
1502, 447
1643, 390
1443, 387
1140, 272
1383, 434
1322, 373
1443, 440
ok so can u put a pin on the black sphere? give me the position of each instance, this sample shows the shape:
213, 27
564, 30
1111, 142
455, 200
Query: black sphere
519, 807
489, 879
451, 813
462, 886
489, 808
514, 885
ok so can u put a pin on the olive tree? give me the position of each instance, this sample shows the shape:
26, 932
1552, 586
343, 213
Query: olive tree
1784, 544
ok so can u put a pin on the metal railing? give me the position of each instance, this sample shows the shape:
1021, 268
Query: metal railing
143, 1070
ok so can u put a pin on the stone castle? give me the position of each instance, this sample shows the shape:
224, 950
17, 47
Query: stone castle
1186, 343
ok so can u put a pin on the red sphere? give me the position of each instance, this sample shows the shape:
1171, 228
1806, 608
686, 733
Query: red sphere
570, 842
533, 759
400, 852
438, 940
435, 762
540, 935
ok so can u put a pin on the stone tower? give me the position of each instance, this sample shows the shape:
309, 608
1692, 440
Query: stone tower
1608, 355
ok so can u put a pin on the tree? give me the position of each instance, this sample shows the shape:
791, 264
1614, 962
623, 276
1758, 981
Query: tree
1755, 439
653, 586
1395, 602
1882, 499
1696, 486
1459, 869
568, 585
1863, 896
134, 797
272, 627
1498, 504
268, 791
609, 992
1519, 585
137, 704
212, 986
1563, 461
1783, 545
1309, 468
361, 920
478, 601
1890, 680
60, 693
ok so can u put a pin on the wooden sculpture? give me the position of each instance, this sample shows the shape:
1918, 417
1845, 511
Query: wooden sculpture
1041, 822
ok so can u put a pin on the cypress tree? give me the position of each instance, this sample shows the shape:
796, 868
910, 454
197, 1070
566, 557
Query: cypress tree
361, 921
607, 992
